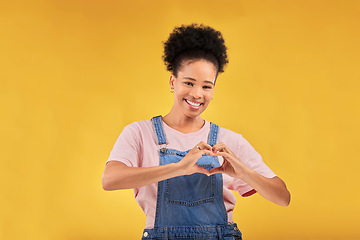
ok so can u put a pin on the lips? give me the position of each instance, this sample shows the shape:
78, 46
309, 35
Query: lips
193, 105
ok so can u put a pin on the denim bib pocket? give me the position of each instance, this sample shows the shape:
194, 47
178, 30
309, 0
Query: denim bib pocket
179, 190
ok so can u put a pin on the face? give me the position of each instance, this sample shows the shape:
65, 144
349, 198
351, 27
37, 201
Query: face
193, 87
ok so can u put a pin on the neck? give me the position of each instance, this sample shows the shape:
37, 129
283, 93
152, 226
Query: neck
183, 123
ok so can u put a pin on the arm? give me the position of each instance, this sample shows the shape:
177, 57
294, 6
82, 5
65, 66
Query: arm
272, 189
119, 176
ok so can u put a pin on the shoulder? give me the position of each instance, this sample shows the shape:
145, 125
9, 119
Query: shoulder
137, 134
228, 135
230, 138
236, 142
139, 125
231, 135
137, 129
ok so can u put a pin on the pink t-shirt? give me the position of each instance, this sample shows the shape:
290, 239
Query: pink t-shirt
137, 147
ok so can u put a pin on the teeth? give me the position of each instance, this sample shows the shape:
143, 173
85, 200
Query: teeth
193, 104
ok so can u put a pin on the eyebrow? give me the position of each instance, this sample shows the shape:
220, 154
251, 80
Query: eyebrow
190, 78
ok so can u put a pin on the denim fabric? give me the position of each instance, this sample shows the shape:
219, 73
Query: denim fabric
224, 232
190, 206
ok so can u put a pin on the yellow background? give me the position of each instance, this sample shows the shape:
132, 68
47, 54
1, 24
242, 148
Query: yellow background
75, 73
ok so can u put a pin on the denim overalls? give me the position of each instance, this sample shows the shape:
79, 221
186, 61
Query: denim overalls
190, 206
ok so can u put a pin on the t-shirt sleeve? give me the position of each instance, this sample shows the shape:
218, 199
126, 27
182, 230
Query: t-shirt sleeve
248, 155
127, 148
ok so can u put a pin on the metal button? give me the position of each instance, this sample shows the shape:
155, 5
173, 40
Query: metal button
163, 150
235, 229
146, 234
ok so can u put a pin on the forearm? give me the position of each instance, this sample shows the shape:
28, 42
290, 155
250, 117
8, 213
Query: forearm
124, 177
272, 189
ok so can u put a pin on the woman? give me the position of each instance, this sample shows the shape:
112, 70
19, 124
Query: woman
183, 167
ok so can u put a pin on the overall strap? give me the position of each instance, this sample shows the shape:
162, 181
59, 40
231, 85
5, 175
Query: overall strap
214, 131
160, 134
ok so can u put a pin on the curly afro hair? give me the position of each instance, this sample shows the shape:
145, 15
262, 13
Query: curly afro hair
190, 42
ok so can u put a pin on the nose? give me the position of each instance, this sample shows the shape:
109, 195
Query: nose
196, 92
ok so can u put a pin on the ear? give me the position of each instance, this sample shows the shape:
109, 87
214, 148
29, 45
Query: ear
172, 81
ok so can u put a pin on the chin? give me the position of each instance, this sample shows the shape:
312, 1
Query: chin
193, 114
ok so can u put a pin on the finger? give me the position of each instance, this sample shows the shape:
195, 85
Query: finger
225, 155
221, 147
203, 145
204, 151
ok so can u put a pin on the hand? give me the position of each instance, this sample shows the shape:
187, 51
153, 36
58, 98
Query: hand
232, 166
188, 164
273, 189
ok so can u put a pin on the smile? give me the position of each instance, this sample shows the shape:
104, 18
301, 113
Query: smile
193, 104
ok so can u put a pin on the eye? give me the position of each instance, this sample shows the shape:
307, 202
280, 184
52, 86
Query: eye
207, 87
188, 83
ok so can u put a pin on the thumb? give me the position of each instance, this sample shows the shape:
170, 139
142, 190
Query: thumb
216, 170
201, 170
